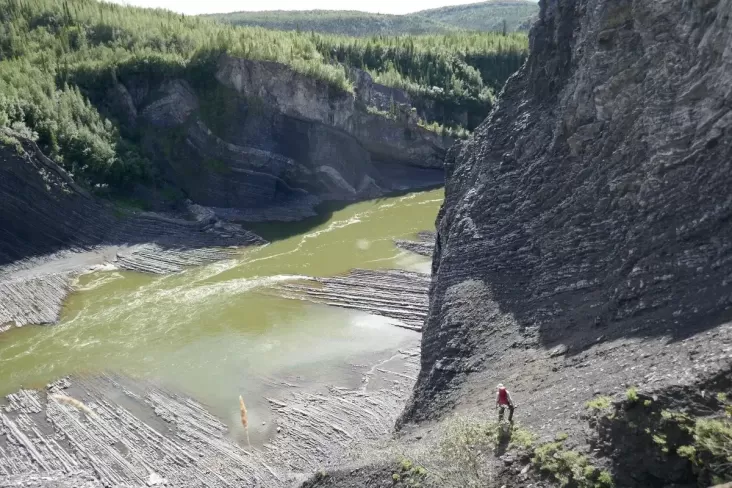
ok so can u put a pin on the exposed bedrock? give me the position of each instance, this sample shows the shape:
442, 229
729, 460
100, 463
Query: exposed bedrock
592, 206
303, 97
260, 135
424, 245
51, 230
33, 191
398, 295
115, 431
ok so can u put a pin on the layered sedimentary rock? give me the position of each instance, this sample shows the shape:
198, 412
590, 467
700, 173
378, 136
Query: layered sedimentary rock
395, 294
589, 213
424, 244
51, 230
115, 431
259, 135
33, 190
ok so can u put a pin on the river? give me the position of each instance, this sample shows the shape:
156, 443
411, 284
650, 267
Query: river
214, 332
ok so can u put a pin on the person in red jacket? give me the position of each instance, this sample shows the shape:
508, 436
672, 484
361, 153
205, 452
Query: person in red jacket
503, 400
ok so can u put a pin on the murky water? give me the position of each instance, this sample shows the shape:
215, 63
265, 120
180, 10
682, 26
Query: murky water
212, 331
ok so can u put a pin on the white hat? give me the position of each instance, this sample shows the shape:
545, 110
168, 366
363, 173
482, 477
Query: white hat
500, 385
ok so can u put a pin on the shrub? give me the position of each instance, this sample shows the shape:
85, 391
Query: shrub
569, 468
599, 403
467, 445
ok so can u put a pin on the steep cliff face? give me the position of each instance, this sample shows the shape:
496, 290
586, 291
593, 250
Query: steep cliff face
41, 209
589, 216
260, 135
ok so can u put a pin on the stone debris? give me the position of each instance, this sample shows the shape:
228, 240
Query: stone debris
424, 245
138, 434
395, 294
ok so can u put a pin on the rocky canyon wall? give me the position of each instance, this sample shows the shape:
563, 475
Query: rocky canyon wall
254, 134
592, 207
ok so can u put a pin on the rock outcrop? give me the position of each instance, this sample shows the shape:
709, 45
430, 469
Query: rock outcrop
115, 431
589, 213
51, 230
259, 135
398, 295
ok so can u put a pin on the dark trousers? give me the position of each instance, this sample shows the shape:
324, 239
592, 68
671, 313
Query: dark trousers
502, 409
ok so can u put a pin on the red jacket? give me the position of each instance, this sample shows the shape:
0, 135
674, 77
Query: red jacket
503, 398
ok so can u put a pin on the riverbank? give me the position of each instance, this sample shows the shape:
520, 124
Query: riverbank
117, 431
331, 378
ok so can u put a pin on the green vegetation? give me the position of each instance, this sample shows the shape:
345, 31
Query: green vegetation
59, 61
485, 16
455, 74
437, 128
599, 404
346, 23
706, 441
710, 449
409, 474
55, 55
569, 468
468, 444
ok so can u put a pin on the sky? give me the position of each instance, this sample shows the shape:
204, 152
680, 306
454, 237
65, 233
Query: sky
193, 7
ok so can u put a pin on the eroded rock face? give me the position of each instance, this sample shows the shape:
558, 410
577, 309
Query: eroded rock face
42, 209
299, 96
174, 106
594, 204
259, 135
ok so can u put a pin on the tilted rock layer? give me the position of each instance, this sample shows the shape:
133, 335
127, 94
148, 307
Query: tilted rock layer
592, 207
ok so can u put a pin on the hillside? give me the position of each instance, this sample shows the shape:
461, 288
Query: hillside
584, 251
60, 60
486, 16
582, 259
346, 23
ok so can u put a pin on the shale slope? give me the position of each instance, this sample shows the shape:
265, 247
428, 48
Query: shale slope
585, 242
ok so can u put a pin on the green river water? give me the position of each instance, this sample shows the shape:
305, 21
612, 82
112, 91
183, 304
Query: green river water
211, 332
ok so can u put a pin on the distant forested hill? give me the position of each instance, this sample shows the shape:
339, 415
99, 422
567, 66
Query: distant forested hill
484, 16
346, 23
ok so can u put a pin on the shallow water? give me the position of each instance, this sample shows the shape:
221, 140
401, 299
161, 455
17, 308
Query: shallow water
212, 331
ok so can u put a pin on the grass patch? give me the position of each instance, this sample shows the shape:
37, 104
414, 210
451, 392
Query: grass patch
569, 468
391, 115
632, 394
437, 128
409, 474
468, 447
599, 404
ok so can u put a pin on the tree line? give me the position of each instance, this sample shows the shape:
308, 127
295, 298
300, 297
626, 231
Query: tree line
55, 55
